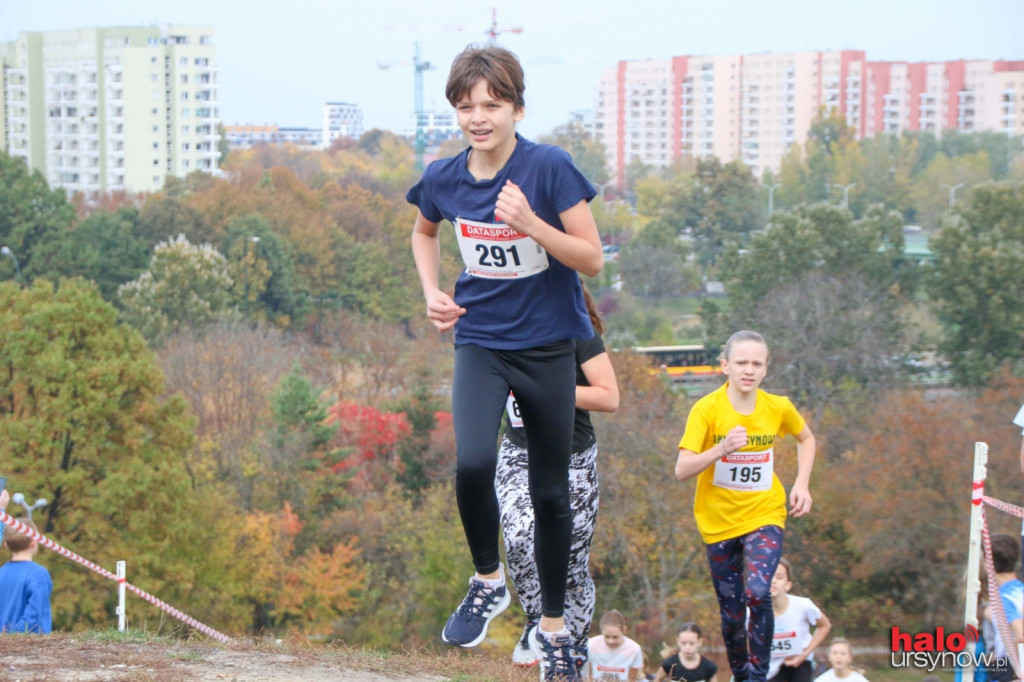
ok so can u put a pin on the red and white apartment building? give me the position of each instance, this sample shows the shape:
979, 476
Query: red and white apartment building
755, 107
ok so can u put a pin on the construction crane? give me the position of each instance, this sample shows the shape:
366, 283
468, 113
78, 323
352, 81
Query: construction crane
493, 32
419, 66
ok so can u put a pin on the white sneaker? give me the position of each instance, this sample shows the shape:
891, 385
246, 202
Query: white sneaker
523, 655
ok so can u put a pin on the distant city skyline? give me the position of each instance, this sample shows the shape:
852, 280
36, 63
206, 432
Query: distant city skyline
280, 64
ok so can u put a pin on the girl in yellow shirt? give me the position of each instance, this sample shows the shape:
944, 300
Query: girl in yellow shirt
740, 504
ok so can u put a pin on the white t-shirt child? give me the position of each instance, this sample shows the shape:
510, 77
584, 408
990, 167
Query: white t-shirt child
606, 663
792, 631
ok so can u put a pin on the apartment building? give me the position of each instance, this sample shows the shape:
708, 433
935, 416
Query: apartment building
106, 109
340, 119
756, 107
436, 127
244, 136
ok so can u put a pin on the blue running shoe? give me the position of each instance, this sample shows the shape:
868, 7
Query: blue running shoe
558, 656
467, 627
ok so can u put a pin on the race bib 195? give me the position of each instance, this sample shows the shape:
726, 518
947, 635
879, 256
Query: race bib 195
745, 471
496, 251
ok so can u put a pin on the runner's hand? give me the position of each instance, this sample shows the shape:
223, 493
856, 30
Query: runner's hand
442, 311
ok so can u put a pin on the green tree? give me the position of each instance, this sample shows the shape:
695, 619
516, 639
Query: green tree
31, 215
931, 188
295, 457
724, 203
104, 248
84, 423
826, 291
163, 218
654, 263
186, 287
976, 286
586, 150
420, 407
269, 284
827, 143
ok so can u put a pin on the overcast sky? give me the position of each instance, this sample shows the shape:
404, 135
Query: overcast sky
280, 61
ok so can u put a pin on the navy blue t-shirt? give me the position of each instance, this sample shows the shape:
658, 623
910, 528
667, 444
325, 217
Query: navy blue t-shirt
512, 314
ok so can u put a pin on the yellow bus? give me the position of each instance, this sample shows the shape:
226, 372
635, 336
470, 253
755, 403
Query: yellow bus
682, 363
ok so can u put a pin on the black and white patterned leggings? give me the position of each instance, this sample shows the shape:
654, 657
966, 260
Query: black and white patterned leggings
517, 524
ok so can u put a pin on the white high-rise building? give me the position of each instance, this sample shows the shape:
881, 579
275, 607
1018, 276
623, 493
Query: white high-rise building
340, 119
107, 109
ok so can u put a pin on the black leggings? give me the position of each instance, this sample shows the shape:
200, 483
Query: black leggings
544, 381
802, 673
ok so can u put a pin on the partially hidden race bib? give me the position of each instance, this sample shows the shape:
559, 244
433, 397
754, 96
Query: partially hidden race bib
784, 644
496, 251
745, 471
515, 419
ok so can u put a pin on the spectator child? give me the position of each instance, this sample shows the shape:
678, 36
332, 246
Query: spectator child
1005, 550
25, 586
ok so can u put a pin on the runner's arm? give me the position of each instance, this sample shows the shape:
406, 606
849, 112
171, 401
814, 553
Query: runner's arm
442, 311
579, 247
602, 395
690, 463
800, 494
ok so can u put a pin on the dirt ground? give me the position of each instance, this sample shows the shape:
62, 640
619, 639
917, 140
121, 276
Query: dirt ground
81, 658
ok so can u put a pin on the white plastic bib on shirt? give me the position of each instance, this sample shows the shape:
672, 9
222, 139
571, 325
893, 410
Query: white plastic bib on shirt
497, 251
515, 419
784, 644
745, 471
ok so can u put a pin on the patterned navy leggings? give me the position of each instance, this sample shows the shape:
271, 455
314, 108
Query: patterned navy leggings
742, 570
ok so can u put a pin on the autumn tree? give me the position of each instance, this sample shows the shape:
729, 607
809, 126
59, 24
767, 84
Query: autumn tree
827, 291
227, 375
976, 286
900, 490
84, 424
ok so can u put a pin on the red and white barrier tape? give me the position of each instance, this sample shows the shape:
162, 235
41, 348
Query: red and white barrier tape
51, 545
1004, 506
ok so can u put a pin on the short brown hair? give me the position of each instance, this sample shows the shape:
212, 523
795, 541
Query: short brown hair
784, 562
1005, 550
17, 541
613, 618
499, 67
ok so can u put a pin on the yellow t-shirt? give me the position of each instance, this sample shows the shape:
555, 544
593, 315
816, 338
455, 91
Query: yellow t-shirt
739, 493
